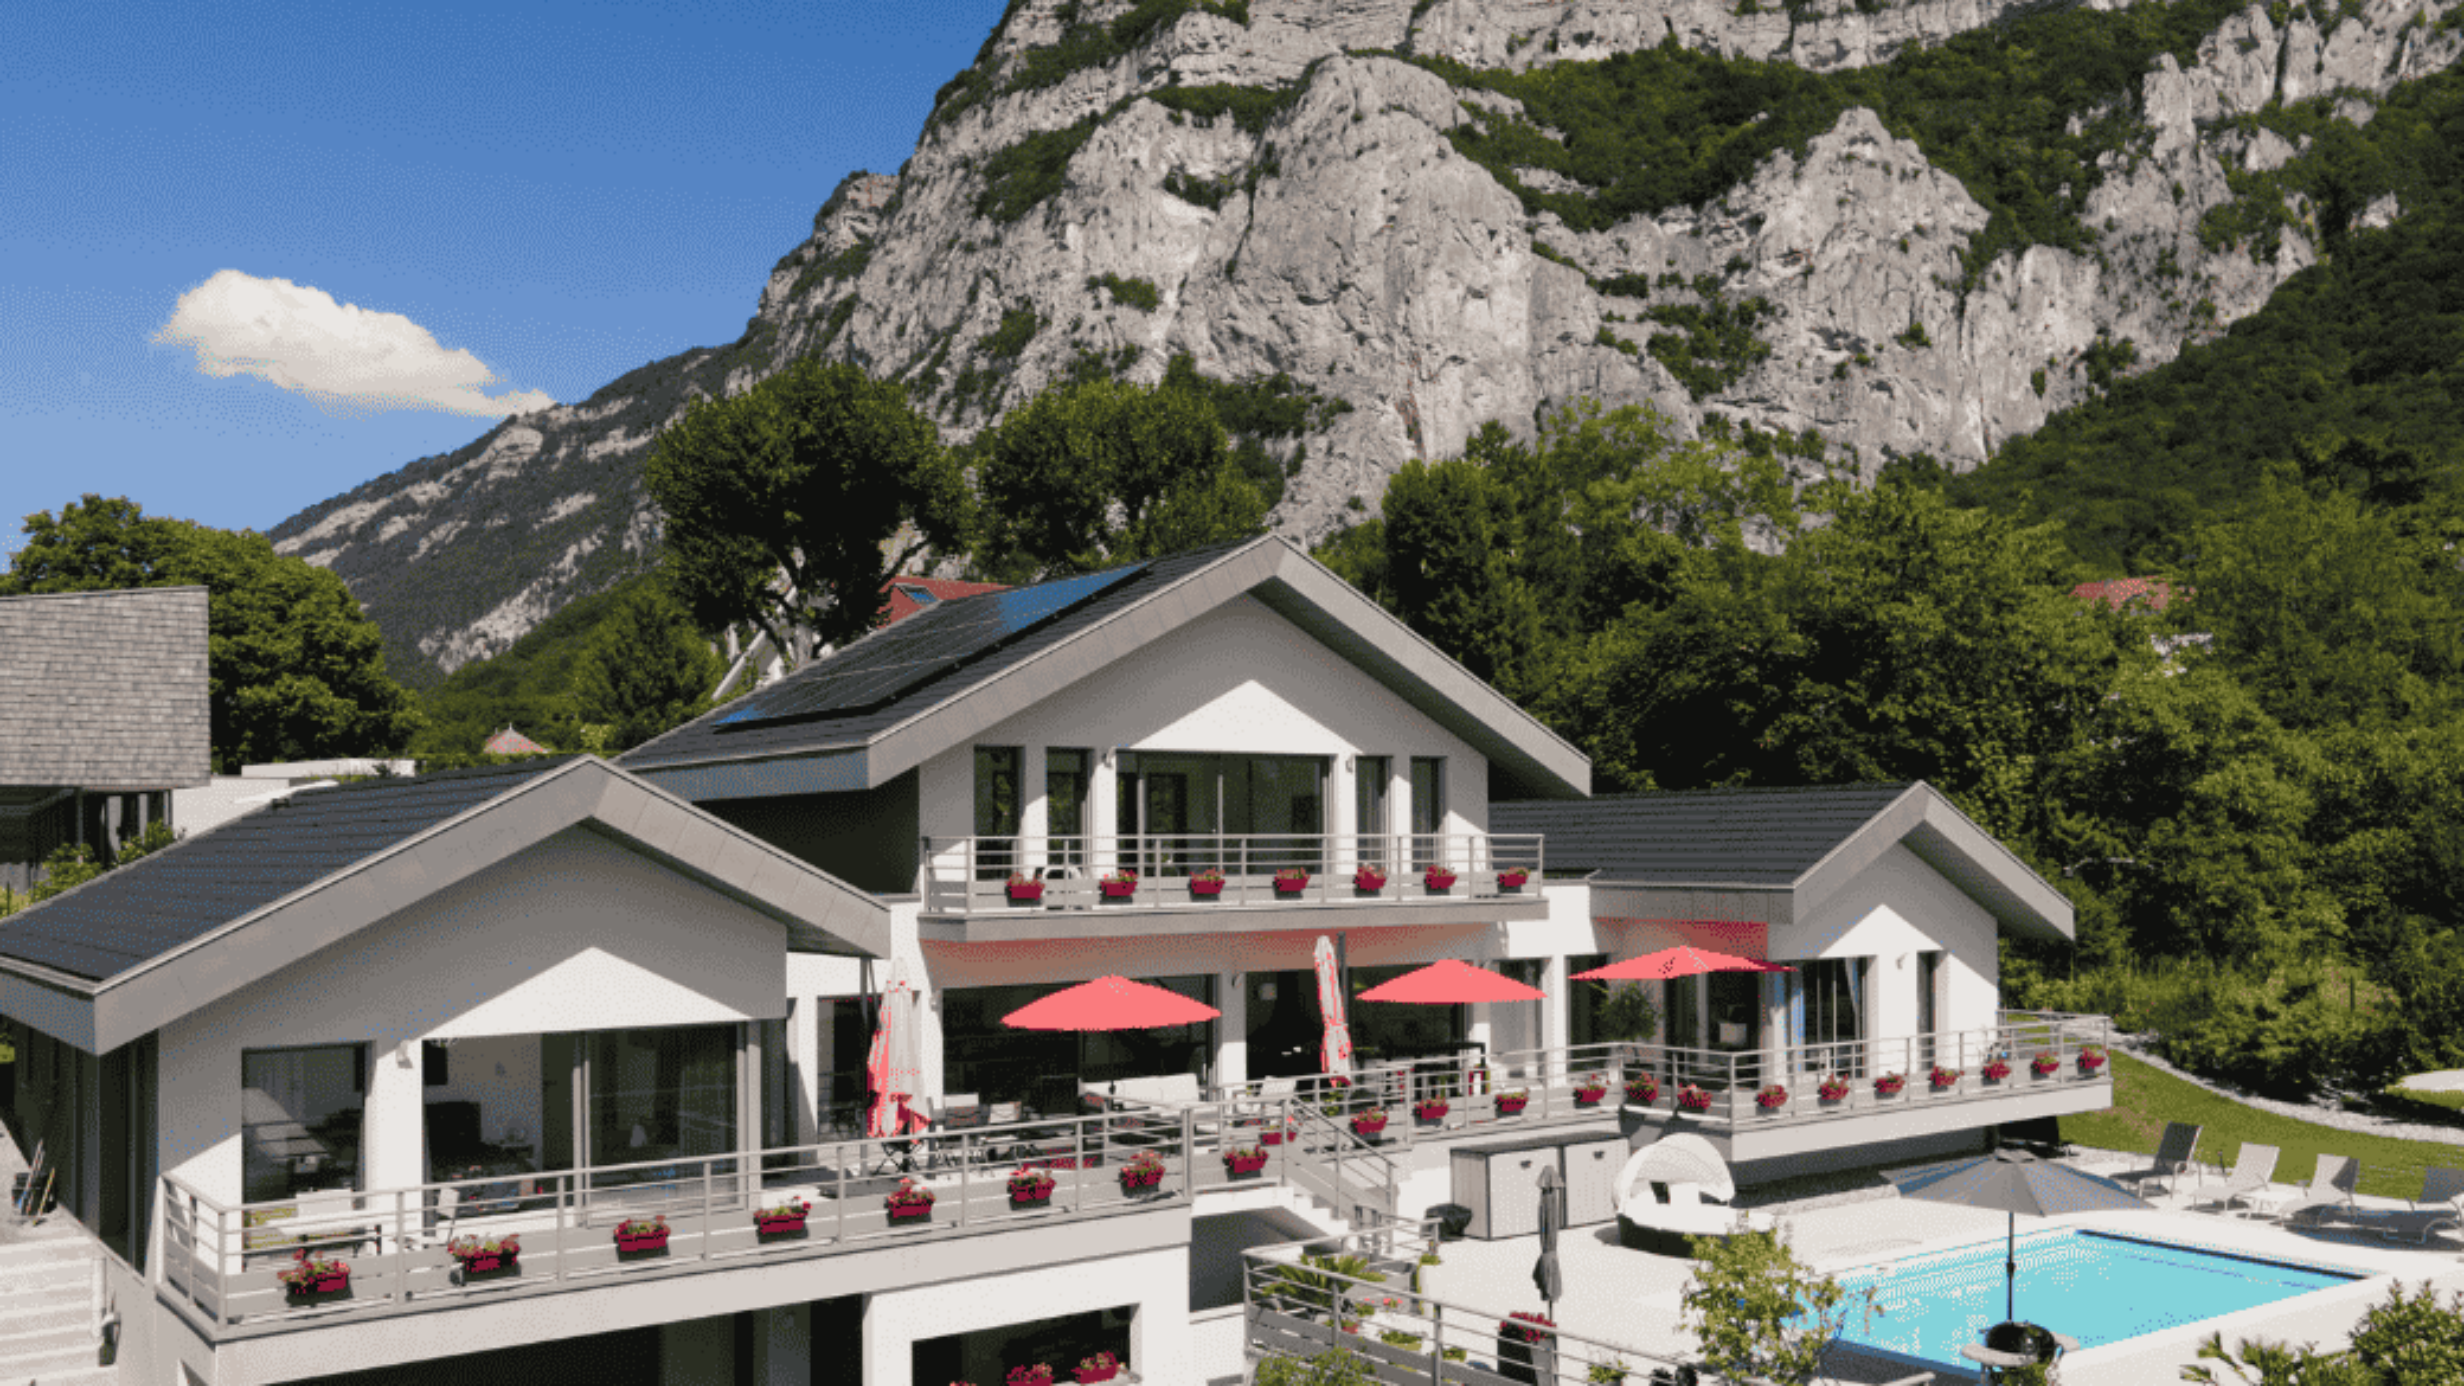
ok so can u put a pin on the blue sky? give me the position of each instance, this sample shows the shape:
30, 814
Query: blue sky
253, 256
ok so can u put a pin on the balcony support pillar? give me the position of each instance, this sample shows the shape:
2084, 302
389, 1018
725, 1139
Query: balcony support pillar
1232, 1030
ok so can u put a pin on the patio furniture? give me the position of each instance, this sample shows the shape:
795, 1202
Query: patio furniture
2173, 1160
2254, 1171
2009, 1346
2330, 1192
1668, 1229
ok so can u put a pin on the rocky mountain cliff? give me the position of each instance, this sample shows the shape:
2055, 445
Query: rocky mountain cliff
1357, 195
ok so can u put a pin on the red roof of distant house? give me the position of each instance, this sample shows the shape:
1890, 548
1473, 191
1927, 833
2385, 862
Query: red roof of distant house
909, 595
2120, 593
512, 743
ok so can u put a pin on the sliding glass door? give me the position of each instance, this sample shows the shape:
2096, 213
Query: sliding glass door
662, 1094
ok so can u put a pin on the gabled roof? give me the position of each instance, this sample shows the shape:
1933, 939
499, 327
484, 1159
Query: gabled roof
150, 941
105, 690
863, 747
1775, 854
909, 596
2121, 594
512, 743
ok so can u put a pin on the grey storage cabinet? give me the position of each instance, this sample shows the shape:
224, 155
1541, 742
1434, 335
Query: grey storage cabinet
1500, 1183
1592, 1166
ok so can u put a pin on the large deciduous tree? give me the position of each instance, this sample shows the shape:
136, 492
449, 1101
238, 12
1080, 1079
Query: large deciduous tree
645, 670
296, 669
1100, 473
791, 504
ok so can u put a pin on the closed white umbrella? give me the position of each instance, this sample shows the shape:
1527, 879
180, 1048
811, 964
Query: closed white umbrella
1335, 1050
895, 1067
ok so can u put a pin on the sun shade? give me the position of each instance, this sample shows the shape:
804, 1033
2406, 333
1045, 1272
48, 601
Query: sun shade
1110, 1003
1452, 981
1675, 962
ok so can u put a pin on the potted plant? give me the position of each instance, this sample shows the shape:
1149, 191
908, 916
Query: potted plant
1368, 880
642, 1234
1431, 1109
1143, 1172
1437, 878
1120, 885
910, 1202
1642, 1089
1512, 1101
1291, 880
1889, 1085
2045, 1064
785, 1218
2090, 1060
1030, 1187
1606, 1373
1996, 1069
483, 1255
1527, 1349
1036, 1375
1206, 882
1369, 1124
1772, 1098
1244, 1163
1693, 1099
1024, 888
308, 1276
1945, 1079
1513, 877
1276, 1131
1834, 1089
1103, 1366
1589, 1091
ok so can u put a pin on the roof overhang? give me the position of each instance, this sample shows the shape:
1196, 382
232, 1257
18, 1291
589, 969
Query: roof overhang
1928, 824
1273, 569
821, 913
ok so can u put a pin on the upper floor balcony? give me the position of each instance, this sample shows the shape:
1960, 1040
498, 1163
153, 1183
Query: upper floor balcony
988, 889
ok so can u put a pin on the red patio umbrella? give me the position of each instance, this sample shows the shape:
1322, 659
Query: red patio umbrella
1451, 981
1110, 1003
1683, 961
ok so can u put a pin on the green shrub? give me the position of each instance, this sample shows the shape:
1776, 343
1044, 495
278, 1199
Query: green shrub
1018, 178
1251, 108
1335, 1367
1137, 293
2412, 1342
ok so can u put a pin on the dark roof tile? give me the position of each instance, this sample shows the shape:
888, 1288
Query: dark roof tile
1748, 837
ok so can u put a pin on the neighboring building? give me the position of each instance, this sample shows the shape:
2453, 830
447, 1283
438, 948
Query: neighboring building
512, 743
103, 713
547, 997
2127, 594
228, 796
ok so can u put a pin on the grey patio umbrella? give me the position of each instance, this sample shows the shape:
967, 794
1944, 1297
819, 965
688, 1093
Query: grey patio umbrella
1546, 1272
2016, 1182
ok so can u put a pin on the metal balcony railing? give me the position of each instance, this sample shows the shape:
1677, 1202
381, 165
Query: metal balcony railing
975, 875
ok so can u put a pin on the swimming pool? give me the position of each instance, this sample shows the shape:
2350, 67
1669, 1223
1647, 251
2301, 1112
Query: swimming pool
2094, 1286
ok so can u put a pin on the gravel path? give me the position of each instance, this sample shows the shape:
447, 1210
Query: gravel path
2325, 1111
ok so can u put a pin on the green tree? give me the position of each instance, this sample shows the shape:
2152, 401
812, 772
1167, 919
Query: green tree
1099, 473
790, 505
2416, 1341
2281, 1364
1759, 1312
296, 670
645, 670
73, 864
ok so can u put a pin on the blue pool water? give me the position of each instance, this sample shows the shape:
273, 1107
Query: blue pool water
2093, 1286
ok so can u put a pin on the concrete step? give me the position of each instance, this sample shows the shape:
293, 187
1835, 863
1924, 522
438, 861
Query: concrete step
74, 1288
49, 1251
24, 1280
65, 1313
43, 1341
91, 1376
47, 1367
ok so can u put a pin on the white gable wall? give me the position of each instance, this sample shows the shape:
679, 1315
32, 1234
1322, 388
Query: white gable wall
579, 933
1892, 910
1240, 679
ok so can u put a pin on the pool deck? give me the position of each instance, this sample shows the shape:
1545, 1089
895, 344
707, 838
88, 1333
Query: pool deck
1631, 1297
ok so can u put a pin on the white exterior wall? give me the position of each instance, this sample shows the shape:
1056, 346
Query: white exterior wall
1157, 1282
580, 933
1894, 909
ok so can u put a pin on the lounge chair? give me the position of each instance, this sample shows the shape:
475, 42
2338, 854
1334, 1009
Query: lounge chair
2173, 1160
1664, 1229
2253, 1170
2440, 1208
2330, 1192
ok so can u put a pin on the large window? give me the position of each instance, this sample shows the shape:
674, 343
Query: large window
1428, 811
1044, 1068
1827, 998
1172, 807
996, 811
1065, 806
665, 1093
1369, 790
300, 1119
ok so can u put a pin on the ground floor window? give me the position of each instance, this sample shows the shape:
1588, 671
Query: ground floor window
1043, 1069
300, 1113
1059, 1343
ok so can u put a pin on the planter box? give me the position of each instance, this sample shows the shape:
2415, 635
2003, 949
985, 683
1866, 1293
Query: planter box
1431, 1115
323, 1287
1284, 887
1104, 1374
1039, 1199
1643, 1097
1880, 1091
1027, 894
1139, 1183
911, 1212
1360, 1128
1270, 1138
1512, 1106
648, 1241
1245, 1169
1206, 890
1590, 1099
1439, 880
1512, 880
1697, 1108
1367, 884
489, 1263
2090, 1070
778, 1227
1119, 890
1534, 1364
2040, 1074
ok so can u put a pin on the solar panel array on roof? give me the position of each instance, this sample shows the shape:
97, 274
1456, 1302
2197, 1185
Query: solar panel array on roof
876, 670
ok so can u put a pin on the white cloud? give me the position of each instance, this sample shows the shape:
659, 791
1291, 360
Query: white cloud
341, 355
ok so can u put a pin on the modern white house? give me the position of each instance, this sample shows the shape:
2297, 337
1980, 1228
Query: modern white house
556, 999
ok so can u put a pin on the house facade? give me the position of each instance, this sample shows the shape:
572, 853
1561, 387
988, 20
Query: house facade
565, 999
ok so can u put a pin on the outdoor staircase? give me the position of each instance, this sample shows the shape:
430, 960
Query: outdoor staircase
48, 1312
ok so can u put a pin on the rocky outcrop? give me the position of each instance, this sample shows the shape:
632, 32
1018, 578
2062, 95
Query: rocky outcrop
1327, 227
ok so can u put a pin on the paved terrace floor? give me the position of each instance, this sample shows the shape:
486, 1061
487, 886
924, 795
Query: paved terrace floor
1632, 1297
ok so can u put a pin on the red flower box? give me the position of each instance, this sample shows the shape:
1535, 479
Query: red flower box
1141, 1179
1025, 892
1291, 885
2090, 1061
1512, 1106
1512, 880
646, 1241
1693, 1099
1119, 890
1238, 1165
1889, 1085
911, 1212
337, 1283
1643, 1090
1103, 1366
1369, 1123
487, 1261
1270, 1137
1031, 1198
1206, 889
1438, 880
1589, 1097
1099, 1374
779, 1227
1430, 1111
1370, 882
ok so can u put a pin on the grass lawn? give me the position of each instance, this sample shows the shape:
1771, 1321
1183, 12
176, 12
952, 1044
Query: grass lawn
2145, 1098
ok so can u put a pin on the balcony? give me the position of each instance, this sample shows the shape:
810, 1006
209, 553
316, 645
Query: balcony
1205, 883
